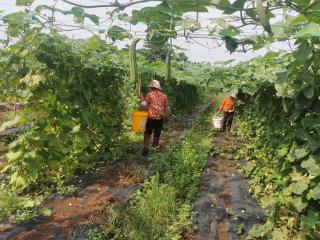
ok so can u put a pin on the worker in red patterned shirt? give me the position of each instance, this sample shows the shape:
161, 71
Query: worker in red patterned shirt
158, 108
227, 107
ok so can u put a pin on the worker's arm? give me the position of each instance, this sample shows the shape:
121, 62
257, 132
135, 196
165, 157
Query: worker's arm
144, 101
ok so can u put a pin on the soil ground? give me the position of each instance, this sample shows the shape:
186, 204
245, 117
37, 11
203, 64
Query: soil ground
73, 216
224, 209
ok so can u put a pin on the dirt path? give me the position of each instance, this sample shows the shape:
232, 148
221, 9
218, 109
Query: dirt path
88, 208
225, 210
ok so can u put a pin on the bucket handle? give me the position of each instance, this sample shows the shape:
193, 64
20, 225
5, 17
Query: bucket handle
216, 114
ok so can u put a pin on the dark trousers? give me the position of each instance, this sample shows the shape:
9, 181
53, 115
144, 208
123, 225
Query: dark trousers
154, 126
227, 120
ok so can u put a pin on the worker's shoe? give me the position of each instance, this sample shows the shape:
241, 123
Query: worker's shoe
145, 152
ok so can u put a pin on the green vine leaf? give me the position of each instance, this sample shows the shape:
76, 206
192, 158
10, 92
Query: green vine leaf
17, 23
312, 167
118, 33
239, 4
192, 6
299, 204
18, 181
310, 30
314, 193
47, 212
309, 91
309, 221
261, 230
231, 43
300, 153
297, 153
303, 52
94, 43
279, 233
78, 13
24, 2
301, 185
93, 18
283, 151
229, 32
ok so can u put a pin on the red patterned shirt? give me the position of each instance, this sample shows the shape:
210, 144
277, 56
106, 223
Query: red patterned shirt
157, 101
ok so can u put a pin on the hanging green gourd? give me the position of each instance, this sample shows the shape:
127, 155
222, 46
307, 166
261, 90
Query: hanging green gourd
134, 73
168, 58
139, 118
168, 66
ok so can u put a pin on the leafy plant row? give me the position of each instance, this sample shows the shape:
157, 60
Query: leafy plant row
281, 122
162, 210
77, 99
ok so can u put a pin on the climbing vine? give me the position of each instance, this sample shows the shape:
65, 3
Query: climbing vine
281, 123
74, 118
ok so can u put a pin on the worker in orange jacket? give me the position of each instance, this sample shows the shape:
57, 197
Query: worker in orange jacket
227, 107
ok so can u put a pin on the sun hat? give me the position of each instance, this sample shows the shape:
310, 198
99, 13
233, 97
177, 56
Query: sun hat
155, 84
234, 95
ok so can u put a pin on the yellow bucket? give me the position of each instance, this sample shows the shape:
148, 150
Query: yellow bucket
139, 120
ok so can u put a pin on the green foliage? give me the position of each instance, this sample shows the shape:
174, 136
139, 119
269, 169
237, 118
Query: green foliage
16, 208
62, 188
24, 2
118, 33
75, 98
163, 20
78, 13
46, 212
75, 121
9, 118
163, 209
151, 212
310, 30
284, 154
77, 104
181, 167
309, 221
17, 23
97, 234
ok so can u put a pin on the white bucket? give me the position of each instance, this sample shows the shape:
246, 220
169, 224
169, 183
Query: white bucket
217, 122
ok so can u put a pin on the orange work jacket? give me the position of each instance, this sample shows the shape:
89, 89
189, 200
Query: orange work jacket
227, 105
